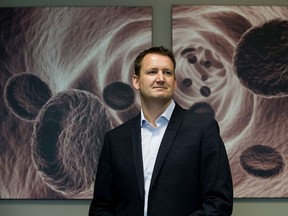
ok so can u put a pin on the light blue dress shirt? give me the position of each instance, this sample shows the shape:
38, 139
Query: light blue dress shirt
151, 139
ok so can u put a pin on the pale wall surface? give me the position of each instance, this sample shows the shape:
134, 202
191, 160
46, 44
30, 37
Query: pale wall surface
161, 36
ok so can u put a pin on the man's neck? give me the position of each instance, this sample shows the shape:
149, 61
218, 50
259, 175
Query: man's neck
152, 111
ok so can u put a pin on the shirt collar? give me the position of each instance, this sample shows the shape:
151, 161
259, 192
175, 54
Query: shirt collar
166, 114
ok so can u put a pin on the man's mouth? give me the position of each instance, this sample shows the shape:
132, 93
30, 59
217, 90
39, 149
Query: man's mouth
160, 87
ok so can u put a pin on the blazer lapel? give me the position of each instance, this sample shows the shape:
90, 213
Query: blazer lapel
137, 153
167, 141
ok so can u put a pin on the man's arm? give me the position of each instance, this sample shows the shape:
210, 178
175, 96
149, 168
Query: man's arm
216, 180
102, 202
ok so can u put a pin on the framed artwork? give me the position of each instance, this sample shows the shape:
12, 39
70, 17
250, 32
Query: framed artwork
232, 63
65, 80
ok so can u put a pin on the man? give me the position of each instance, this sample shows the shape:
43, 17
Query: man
166, 161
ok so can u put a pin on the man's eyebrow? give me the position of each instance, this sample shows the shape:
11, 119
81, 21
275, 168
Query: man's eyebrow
156, 68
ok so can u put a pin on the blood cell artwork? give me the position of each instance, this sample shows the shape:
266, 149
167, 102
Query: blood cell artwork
232, 63
65, 81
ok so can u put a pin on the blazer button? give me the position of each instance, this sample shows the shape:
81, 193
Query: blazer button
142, 204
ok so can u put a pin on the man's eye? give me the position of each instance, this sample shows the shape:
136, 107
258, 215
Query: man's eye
152, 72
169, 73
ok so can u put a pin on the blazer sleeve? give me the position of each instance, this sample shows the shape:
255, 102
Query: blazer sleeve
102, 202
216, 180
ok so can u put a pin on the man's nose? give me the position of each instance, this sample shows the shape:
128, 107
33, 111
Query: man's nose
160, 76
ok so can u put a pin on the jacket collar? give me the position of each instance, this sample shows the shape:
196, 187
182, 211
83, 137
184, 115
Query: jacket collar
166, 143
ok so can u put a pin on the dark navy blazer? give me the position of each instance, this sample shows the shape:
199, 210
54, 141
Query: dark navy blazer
191, 176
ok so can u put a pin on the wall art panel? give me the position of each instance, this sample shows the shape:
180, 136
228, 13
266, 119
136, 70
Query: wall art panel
232, 63
65, 80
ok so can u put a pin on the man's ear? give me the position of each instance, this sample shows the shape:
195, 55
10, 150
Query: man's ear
175, 84
135, 81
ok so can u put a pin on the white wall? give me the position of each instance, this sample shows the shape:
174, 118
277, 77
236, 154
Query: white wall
161, 36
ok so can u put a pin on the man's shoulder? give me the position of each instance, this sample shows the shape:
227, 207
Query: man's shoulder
125, 126
199, 115
199, 118
196, 112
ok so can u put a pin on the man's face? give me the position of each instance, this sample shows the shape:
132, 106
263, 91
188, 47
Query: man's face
156, 79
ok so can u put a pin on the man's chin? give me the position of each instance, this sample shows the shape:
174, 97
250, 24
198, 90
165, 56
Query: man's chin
161, 98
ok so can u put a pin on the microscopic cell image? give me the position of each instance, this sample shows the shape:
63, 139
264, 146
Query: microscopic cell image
232, 64
65, 81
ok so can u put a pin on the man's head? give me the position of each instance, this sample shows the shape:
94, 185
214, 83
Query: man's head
153, 50
155, 75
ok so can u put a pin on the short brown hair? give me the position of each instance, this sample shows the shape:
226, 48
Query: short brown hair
154, 50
